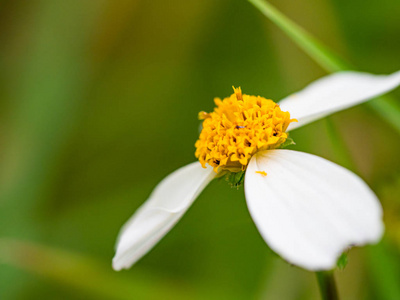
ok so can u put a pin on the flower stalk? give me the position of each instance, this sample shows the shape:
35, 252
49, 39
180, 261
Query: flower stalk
327, 286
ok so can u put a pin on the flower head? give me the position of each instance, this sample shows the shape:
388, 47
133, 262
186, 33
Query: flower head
307, 209
240, 126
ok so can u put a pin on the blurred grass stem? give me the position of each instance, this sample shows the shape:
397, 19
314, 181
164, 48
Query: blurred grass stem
327, 286
315, 49
326, 58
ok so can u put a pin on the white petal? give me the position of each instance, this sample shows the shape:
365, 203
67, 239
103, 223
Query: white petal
165, 206
336, 92
308, 209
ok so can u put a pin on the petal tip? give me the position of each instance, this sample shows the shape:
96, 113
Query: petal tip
116, 263
123, 261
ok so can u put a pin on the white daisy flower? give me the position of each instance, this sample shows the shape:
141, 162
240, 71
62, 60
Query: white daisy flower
307, 209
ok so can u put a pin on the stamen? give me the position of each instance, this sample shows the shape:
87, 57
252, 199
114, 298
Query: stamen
238, 93
240, 126
203, 115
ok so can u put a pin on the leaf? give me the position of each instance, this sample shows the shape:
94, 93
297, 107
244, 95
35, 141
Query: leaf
342, 261
235, 179
289, 141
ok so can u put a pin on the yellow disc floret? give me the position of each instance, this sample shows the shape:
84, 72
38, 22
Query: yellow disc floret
240, 126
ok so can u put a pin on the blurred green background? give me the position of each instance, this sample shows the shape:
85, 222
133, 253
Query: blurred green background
99, 101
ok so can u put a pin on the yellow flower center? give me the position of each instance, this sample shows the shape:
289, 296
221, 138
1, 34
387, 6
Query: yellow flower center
240, 126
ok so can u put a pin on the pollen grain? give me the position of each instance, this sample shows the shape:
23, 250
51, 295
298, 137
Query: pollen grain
263, 173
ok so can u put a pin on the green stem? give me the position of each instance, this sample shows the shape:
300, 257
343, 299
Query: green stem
308, 43
327, 285
384, 106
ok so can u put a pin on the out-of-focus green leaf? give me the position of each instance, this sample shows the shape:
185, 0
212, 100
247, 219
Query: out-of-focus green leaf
45, 88
93, 277
384, 269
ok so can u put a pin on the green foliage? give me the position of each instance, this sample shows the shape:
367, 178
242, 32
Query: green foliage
99, 103
235, 179
288, 142
342, 261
